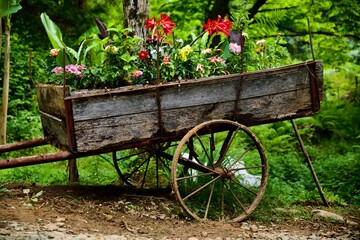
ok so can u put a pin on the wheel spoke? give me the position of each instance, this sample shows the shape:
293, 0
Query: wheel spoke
236, 198
209, 201
201, 188
225, 147
212, 146
195, 176
138, 167
146, 169
163, 163
190, 145
204, 148
129, 156
222, 201
241, 155
245, 187
245, 168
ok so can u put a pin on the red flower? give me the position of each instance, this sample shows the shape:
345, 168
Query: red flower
208, 26
143, 55
222, 25
151, 23
166, 24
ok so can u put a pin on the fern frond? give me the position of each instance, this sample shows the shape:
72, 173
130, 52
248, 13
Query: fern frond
266, 22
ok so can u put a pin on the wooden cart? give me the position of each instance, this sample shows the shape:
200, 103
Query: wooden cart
194, 131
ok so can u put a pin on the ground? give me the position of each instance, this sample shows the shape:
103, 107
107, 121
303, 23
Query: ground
110, 212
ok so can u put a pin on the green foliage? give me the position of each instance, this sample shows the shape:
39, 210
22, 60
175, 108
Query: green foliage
47, 174
8, 7
23, 118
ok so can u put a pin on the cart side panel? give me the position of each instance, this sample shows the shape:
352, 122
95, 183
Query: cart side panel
265, 96
107, 120
53, 114
55, 129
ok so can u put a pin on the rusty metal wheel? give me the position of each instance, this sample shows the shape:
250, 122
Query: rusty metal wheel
147, 167
219, 171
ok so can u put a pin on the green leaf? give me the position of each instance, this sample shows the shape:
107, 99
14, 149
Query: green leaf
53, 32
8, 7
226, 51
127, 58
127, 67
204, 40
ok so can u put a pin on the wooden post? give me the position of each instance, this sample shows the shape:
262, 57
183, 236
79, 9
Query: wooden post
307, 158
73, 171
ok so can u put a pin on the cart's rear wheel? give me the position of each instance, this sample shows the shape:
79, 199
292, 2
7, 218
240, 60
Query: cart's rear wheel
147, 167
226, 171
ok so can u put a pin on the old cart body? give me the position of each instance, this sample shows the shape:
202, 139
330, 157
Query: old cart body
89, 122
98, 119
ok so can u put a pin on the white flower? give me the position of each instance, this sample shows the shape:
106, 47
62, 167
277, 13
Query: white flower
261, 41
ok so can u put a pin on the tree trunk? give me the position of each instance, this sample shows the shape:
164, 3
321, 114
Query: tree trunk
220, 7
5, 96
135, 14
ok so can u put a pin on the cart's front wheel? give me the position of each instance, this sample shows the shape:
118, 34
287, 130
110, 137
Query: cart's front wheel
219, 171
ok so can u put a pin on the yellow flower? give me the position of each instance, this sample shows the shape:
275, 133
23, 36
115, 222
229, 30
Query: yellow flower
184, 52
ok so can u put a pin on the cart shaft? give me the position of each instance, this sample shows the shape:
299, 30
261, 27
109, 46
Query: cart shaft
23, 145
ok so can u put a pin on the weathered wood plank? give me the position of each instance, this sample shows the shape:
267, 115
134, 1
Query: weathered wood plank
251, 111
51, 99
102, 132
197, 93
55, 129
105, 106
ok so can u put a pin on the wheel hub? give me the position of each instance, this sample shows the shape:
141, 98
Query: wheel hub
224, 173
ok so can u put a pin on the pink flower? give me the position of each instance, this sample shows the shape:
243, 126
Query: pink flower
261, 41
166, 59
235, 48
57, 70
216, 59
137, 74
71, 68
206, 51
199, 67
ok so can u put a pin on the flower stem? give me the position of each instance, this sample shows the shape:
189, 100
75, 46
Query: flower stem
157, 62
201, 34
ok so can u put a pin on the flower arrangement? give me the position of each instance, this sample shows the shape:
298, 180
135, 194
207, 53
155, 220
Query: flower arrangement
116, 57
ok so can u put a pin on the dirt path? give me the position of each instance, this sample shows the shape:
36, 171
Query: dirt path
64, 212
